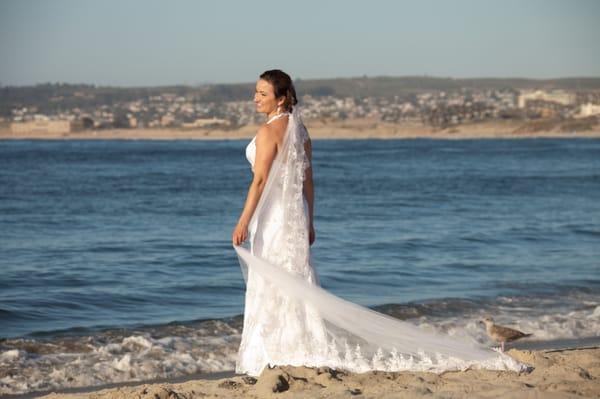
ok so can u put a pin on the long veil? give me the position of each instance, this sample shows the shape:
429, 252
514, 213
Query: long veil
343, 335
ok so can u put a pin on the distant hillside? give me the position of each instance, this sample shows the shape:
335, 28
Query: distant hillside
401, 86
55, 97
390, 86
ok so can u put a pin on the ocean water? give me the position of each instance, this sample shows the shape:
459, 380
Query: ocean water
116, 261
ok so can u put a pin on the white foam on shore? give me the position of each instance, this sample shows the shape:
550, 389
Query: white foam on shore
131, 358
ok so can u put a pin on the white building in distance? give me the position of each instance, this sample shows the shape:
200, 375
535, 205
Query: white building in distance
589, 109
46, 126
556, 96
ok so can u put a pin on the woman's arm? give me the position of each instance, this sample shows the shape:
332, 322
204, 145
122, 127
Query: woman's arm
309, 190
266, 149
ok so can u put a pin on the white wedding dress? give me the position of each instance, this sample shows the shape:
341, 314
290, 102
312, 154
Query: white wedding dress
289, 319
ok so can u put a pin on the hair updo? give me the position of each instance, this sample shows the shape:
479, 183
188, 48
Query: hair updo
282, 86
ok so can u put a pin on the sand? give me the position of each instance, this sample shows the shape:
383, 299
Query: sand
354, 129
564, 373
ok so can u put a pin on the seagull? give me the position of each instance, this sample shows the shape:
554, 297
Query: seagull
502, 334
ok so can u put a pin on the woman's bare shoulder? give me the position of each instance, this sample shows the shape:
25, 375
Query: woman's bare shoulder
265, 135
274, 130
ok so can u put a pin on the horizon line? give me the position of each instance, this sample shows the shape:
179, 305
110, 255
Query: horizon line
299, 79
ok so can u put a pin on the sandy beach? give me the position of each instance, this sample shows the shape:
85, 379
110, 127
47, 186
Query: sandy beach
354, 129
558, 373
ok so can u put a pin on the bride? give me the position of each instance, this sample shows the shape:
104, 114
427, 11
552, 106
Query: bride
289, 319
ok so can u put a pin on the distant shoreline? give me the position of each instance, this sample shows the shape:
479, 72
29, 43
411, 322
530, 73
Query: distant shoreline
354, 129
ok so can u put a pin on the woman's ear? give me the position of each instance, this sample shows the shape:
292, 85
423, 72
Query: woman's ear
280, 102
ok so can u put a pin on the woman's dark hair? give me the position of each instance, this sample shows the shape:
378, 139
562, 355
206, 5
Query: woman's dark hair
283, 87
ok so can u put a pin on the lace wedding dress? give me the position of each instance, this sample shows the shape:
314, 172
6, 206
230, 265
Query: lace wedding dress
289, 319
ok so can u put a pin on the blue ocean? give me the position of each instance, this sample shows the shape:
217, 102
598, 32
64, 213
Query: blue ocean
116, 262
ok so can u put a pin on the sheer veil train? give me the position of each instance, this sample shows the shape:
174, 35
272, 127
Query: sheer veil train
290, 319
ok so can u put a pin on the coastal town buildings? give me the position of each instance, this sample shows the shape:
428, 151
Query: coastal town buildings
434, 107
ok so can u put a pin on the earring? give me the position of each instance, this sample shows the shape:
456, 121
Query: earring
278, 109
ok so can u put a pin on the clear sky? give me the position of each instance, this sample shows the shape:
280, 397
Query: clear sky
148, 42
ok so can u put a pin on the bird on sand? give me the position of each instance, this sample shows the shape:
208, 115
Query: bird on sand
502, 334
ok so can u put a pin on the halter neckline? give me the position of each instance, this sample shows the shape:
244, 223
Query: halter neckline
271, 119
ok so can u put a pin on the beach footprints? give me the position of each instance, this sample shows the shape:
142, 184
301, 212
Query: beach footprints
303, 379
502, 334
272, 380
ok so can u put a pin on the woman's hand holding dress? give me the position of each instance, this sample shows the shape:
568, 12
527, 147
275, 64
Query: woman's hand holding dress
240, 233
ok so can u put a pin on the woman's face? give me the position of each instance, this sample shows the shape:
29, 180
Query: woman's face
264, 97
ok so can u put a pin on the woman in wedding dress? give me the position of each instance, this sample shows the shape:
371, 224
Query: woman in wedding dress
289, 319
